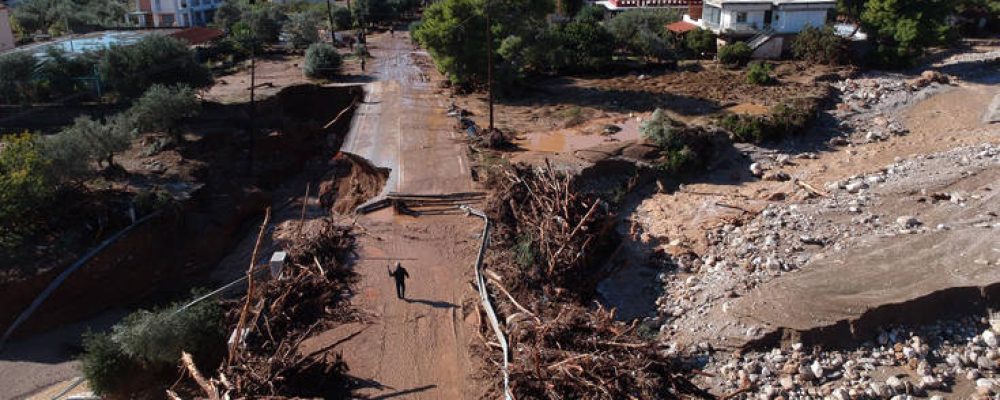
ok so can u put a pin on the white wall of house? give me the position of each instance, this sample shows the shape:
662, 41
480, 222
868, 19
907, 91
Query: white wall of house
6, 34
752, 16
791, 21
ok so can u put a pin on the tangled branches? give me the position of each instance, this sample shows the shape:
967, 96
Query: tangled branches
309, 297
549, 244
585, 354
555, 230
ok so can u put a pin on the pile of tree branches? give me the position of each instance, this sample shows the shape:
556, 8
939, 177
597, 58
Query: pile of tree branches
579, 353
553, 230
277, 315
544, 261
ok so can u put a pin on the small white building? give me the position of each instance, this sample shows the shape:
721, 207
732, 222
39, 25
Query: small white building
764, 24
6, 33
748, 17
173, 13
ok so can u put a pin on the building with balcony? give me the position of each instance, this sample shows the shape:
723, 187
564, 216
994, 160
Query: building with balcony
173, 13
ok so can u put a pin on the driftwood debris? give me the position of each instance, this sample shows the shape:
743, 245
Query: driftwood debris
277, 315
548, 249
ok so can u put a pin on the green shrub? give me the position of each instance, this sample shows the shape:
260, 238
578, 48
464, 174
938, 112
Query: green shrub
701, 42
820, 46
735, 54
784, 119
659, 129
343, 19
105, 366
130, 70
96, 140
643, 32
759, 73
149, 343
15, 77
322, 61
158, 337
674, 143
302, 29
26, 187
524, 251
162, 108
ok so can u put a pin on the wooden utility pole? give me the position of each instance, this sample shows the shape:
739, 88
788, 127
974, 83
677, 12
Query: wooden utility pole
253, 87
489, 62
329, 12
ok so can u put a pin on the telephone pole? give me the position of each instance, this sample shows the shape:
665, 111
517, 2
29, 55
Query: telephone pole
489, 62
329, 15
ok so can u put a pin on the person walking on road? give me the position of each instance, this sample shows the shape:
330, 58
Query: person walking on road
401, 275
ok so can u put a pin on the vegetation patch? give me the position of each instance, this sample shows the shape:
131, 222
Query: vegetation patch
759, 73
784, 119
735, 54
322, 61
141, 353
820, 45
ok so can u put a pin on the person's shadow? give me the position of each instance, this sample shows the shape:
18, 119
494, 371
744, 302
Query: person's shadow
435, 304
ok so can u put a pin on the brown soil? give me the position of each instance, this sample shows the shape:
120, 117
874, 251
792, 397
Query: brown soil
696, 91
352, 182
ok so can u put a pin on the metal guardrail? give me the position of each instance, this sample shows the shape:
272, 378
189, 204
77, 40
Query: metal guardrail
485, 298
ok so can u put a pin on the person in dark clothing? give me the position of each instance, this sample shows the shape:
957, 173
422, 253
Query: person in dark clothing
401, 275
392, 32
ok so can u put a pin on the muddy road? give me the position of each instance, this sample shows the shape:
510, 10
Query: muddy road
401, 125
418, 347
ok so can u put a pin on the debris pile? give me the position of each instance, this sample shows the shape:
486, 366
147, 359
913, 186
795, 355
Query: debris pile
277, 315
545, 250
573, 352
556, 229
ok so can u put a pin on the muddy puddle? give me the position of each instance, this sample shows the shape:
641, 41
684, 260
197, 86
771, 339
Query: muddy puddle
582, 137
748, 109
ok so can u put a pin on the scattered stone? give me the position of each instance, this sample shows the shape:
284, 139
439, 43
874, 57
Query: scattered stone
907, 222
780, 176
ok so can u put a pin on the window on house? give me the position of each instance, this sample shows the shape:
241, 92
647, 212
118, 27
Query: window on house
711, 14
741, 17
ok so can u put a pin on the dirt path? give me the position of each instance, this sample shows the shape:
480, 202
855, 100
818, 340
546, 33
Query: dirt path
417, 347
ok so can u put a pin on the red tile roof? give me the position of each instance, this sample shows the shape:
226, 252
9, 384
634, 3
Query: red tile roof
198, 35
681, 27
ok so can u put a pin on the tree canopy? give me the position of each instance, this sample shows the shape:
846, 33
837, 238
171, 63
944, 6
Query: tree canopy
130, 70
903, 29
59, 16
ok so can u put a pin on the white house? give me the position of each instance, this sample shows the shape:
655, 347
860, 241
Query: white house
6, 34
748, 17
764, 24
173, 13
